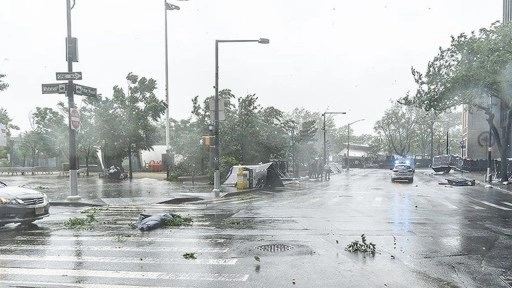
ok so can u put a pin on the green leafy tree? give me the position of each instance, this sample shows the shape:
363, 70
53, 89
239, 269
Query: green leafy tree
475, 66
3, 85
9, 126
30, 146
50, 126
128, 121
396, 127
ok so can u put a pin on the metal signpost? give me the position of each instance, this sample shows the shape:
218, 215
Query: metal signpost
70, 89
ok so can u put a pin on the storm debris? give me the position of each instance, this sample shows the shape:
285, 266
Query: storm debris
190, 256
362, 246
82, 223
149, 222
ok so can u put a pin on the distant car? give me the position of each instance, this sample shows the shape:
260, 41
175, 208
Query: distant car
22, 205
402, 172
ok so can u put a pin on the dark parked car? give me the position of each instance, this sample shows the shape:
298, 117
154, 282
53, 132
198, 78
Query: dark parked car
22, 205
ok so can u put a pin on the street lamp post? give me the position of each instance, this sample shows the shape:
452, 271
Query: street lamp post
216, 124
167, 138
326, 161
348, 142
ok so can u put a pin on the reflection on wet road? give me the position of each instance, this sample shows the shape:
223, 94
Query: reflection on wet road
425, 233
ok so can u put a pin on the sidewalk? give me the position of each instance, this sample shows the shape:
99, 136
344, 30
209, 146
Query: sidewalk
145, 188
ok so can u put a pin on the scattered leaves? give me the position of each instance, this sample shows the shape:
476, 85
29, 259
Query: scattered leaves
362, 246
82, 223
177, 221
190, 256
257, 258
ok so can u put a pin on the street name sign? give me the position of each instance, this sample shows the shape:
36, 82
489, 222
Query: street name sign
69, 75
85, 91
56, 88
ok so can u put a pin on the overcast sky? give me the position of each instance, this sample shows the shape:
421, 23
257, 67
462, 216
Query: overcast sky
324, 55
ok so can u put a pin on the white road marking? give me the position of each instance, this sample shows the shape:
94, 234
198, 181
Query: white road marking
334, 201
124, 274
495, 206
449, 205
506, 203
67, 285
477, 207
143, 260
377, 201
124, 238
120, 248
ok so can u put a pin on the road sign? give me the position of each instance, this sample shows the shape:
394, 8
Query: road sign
69, 75
57, 88
74, 116
85, 91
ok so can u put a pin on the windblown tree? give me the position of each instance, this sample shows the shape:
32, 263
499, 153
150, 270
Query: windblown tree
127, 121
397, 128
474, 67
52, 132
3, 85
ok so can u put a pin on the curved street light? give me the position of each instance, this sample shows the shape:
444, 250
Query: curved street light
216, 148
348, 142
326, 160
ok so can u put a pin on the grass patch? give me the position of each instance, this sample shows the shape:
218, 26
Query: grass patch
178, 221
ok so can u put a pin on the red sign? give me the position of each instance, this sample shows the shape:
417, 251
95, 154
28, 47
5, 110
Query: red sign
74, 116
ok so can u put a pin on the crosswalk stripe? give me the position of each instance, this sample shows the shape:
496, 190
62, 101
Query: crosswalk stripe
495, 206
121, 248
506, 203
377, 201
143, 260
449, 205
334, 201
125, 238
77, 285
125, 274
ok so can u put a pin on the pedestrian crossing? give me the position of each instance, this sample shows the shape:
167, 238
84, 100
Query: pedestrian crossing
114, 255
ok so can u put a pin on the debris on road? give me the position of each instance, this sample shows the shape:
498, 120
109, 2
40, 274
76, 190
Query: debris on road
190, 256
150, 222
364, 247
461, 181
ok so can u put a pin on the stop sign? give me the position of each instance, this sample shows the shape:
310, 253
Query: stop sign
74, 116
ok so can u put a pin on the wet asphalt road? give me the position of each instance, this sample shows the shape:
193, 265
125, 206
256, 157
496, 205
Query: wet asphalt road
426, 235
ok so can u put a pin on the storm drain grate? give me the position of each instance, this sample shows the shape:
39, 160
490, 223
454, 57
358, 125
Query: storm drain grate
507, 280
274, 248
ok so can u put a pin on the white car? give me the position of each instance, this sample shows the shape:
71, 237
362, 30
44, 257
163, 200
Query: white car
402, 172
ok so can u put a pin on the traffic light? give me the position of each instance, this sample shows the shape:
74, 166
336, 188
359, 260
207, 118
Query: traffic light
207, 141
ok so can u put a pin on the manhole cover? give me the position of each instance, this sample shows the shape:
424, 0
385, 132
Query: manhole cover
274, 248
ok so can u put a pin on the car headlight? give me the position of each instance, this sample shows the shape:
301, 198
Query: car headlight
45, 198
11, 201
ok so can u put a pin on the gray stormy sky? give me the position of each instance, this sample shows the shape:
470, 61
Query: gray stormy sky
335, 55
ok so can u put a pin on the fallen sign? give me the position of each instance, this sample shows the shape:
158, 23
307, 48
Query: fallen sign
460, 181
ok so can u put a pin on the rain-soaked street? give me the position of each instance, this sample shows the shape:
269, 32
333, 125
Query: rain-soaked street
426, 235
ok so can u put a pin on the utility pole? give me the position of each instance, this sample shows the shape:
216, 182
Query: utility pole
71, 56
